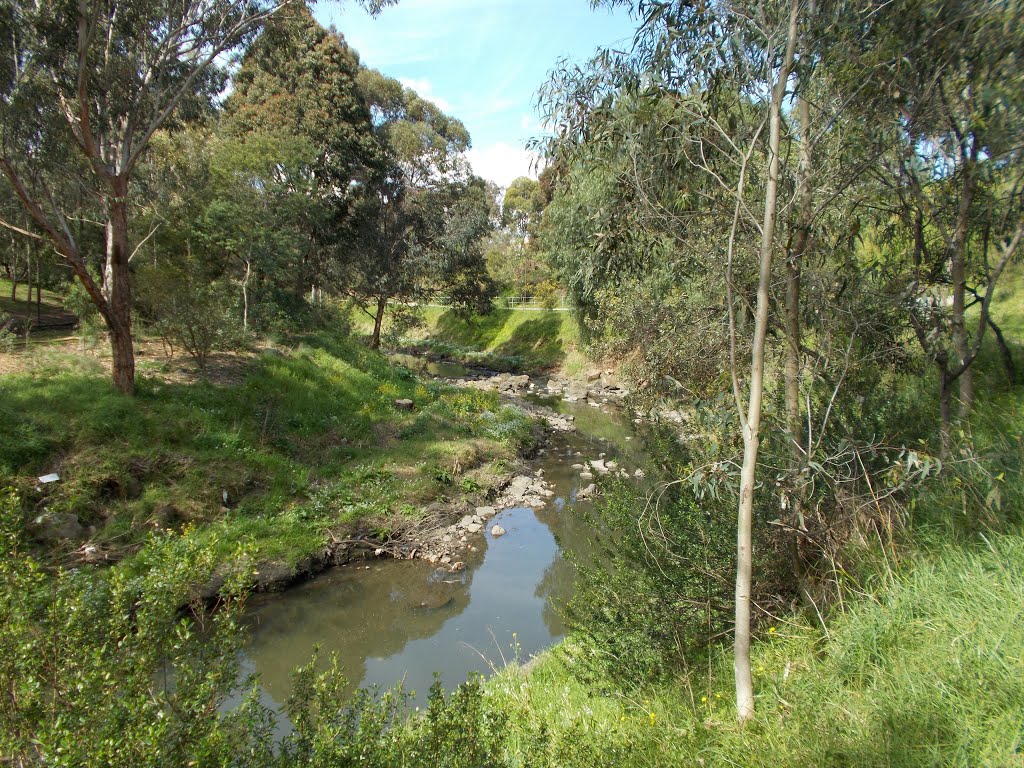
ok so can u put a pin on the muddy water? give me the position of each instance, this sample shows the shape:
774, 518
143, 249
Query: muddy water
403, 621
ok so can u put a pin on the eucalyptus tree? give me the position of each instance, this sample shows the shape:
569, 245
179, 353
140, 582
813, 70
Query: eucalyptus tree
96, 80
711, 81
85, 86
419, 226
938, 87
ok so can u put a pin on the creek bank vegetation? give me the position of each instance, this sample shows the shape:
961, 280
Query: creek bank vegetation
306, 458
798, 225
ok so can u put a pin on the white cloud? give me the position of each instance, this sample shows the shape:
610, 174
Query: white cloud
502, 163
426, 89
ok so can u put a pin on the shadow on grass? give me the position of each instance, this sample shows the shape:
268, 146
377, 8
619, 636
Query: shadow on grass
476, 332
537, 342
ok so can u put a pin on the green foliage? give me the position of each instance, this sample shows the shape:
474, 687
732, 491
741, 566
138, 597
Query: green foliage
7, 336
102, 668
373, 729
659, 587
922, 669
189, 313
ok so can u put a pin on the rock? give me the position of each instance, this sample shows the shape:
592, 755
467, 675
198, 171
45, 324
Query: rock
474, 527
576, 390
598, 465
272, 575
404, 405
639, 474
459, 566
378, 551
54, 526
539, 473
585, 493
467, 521
497, 531
577, 466
611, 464
593, 375
485, 512
586, 475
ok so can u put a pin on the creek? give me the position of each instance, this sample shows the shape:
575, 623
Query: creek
391, 621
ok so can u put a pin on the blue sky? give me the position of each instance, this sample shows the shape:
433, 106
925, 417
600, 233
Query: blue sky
480, 60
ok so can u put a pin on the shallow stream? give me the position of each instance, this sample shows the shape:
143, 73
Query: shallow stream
391, 621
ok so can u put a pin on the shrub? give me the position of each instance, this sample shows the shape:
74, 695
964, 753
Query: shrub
188, 312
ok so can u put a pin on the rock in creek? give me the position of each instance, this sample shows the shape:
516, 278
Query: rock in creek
497, 531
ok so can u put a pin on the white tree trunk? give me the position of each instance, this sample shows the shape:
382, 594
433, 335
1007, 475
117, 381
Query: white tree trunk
752, 425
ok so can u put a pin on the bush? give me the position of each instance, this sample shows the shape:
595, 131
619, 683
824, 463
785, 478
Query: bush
100, 668
188, 312
7, 335
658, 588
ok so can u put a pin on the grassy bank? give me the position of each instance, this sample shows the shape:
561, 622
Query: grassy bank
505, 339
304, 445
924, 669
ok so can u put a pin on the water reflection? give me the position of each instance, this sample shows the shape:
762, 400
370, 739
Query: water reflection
405, 620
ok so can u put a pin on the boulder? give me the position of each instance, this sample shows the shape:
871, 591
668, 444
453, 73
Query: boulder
576, 390
54, 526
404, 405
497, 531
474, 527
585, 493
485, 512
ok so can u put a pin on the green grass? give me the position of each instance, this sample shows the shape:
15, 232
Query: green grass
1008, 302
927, 669
505, 339
308, 443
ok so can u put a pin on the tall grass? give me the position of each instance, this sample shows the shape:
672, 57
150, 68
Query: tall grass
928, 669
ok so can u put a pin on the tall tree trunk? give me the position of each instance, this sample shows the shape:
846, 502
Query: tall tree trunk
945, 408
378, 321
794, 423
752, 426
39, 287
245, 296
108, 264
958, 276
120, 297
